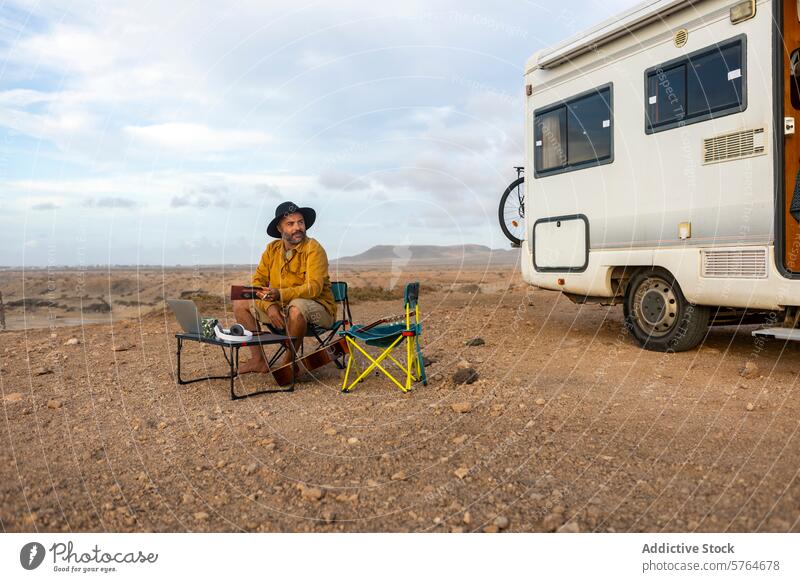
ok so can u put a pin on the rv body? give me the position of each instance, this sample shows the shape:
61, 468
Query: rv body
662, 139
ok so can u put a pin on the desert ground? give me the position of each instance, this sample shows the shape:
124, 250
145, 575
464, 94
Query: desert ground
569, 425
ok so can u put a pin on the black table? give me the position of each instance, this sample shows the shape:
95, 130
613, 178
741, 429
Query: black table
259, 339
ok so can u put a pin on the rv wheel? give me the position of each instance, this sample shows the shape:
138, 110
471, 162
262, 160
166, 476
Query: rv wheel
659, 316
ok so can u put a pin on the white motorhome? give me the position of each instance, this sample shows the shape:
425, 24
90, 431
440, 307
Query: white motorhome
661, 161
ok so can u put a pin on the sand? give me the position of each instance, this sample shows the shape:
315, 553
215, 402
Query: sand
570, 426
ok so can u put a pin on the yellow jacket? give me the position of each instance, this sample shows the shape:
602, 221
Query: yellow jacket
304, 275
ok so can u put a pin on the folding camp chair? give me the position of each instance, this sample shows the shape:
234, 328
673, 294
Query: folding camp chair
323, 335
388, 337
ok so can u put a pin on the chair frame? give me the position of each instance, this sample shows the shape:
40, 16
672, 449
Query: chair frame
342, 324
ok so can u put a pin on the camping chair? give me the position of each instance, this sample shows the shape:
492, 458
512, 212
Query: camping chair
323, 335
388, 337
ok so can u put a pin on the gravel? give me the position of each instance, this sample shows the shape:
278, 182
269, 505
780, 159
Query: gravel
461, 407
674, 428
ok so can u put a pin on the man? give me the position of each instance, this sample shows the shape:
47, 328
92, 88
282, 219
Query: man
297, 288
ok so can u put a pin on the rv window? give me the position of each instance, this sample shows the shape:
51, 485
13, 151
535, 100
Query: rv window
550, 148
667, 95
715, 81
589, 129
575, 134
704, 85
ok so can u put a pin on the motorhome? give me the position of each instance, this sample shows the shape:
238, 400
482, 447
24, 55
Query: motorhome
662, 158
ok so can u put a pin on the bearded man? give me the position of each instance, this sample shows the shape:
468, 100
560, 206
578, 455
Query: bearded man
293, 272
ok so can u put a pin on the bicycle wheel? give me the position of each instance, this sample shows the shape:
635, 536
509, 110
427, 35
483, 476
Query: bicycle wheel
512, 211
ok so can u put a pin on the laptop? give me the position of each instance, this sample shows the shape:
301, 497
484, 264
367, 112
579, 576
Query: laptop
188, 317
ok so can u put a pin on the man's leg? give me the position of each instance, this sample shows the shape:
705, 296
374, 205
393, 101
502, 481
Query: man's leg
296, 327
243, 315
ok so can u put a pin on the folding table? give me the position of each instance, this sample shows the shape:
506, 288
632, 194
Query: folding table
233, 358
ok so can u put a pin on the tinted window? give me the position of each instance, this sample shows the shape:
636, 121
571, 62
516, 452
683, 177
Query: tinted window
704, 85
667, 95
710, 87
589, 128
551, 151
574, 134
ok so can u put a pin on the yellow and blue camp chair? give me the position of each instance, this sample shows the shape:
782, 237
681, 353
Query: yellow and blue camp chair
389, 337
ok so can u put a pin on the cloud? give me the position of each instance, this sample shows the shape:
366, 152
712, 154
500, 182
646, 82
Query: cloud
311, 58
223, 191
110, 202
341, 181
194, 137
56, 126
44, 206
68, 47
349, 106
206, 198
24, 97
160, 183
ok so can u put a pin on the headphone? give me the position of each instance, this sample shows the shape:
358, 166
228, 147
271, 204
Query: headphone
237, 333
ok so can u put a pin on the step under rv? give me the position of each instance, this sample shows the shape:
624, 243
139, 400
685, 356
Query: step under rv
781, 333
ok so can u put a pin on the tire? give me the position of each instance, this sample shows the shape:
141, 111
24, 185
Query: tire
515, 209
658, 315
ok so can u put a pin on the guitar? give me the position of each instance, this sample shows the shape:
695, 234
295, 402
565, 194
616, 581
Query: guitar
391, 319
312, 361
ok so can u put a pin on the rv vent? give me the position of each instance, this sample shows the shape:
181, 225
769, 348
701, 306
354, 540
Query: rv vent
734, 146
681, 37
746, 263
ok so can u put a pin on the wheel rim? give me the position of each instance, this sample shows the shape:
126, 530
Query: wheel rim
655, 307
514, 213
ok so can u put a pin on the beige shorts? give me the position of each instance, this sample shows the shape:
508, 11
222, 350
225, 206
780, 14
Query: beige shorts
312, 311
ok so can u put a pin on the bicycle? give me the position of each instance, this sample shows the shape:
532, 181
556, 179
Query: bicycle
512, 209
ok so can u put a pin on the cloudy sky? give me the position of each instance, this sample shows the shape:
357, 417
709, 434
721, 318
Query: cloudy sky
167, 132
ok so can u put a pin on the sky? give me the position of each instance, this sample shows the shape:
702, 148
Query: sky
165, 133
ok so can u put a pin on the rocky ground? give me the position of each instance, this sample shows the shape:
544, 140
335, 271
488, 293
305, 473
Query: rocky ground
564, 425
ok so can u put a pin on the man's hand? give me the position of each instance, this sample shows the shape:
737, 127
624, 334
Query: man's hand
276, 317
269, 294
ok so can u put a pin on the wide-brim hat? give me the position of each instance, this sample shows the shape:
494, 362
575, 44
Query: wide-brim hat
285, 209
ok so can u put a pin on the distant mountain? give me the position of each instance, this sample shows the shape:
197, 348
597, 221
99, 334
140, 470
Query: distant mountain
433, 254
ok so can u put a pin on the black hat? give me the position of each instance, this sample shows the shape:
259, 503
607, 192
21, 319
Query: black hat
285, 209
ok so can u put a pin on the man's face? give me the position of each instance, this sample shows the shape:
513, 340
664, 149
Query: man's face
292, 228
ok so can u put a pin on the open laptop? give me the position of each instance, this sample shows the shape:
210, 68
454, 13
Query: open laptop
188, 317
